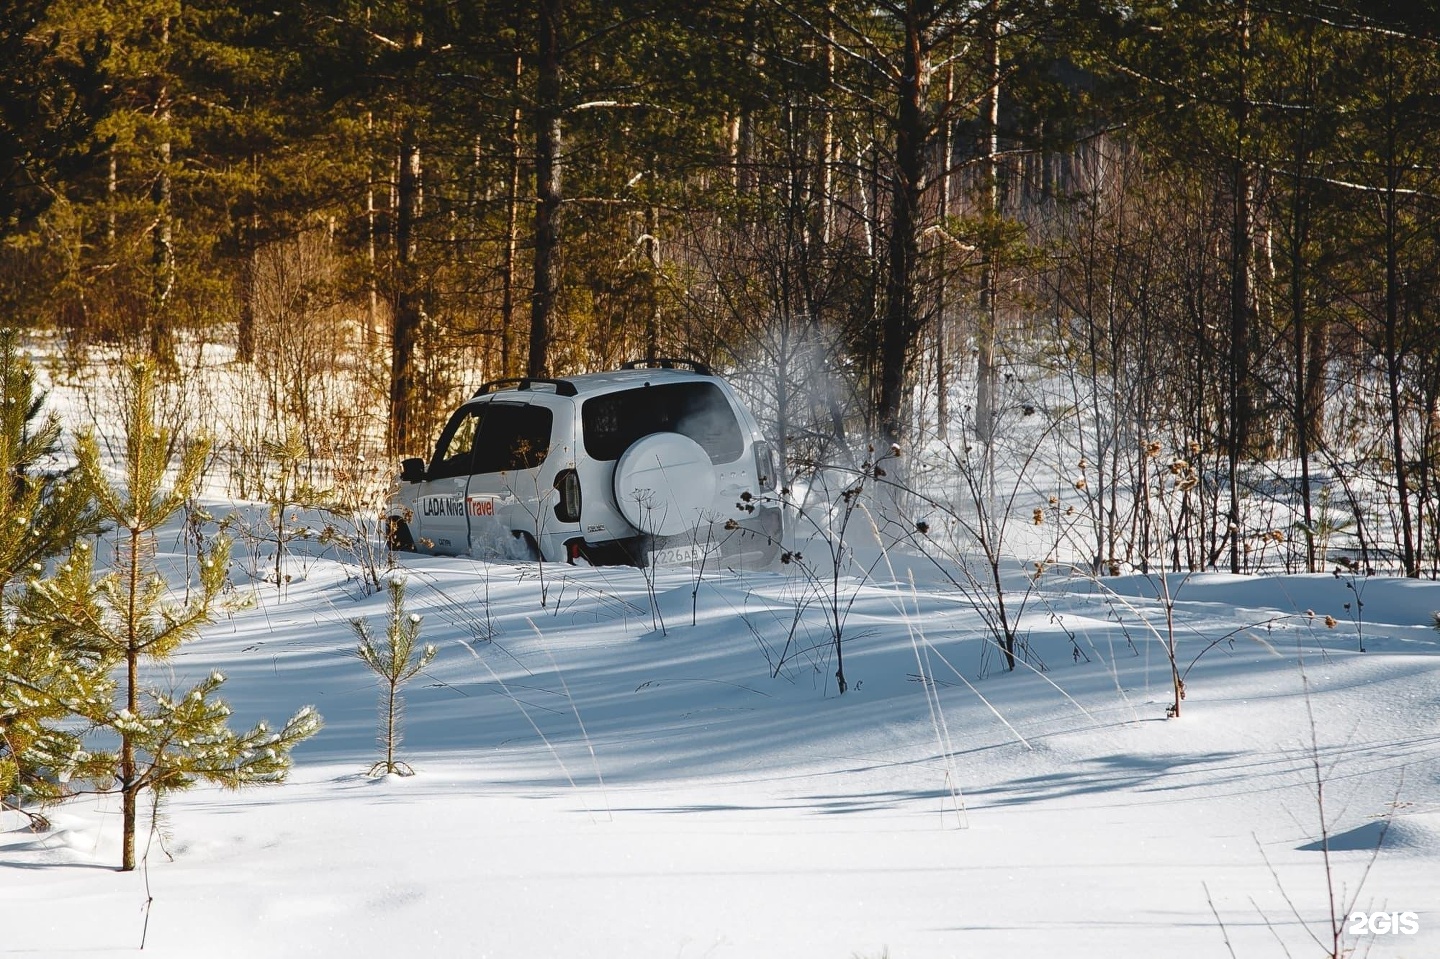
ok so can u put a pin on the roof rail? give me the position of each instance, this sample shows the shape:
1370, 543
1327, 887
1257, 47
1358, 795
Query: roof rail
562, 387
668, 363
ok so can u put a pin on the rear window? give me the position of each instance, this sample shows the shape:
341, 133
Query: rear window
698, 410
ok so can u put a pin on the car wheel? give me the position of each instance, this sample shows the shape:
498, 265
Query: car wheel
397, 535
524, 548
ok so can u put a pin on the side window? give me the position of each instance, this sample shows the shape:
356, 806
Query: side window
513, 437
454, 452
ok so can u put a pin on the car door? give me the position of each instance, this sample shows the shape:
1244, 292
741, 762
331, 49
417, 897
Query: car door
441, 524
508, 492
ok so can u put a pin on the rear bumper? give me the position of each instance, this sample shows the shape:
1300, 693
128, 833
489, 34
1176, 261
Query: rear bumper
753, 543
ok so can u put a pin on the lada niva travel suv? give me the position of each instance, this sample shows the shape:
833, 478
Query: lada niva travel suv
658, 462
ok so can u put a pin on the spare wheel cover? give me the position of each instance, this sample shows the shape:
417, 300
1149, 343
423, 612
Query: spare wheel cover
664, 484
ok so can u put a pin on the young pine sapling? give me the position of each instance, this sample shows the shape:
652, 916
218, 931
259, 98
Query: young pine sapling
167, 741
395, 661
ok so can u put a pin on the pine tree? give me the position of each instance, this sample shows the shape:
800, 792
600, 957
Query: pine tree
45, 514
168, 740
394, 661
51, 96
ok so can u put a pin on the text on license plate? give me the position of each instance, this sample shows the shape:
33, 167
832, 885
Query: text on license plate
677, 555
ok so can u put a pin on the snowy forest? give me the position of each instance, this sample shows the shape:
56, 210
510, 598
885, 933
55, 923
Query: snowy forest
1096, 345
1213, 223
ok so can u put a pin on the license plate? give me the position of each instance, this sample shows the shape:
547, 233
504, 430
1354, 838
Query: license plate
678, 555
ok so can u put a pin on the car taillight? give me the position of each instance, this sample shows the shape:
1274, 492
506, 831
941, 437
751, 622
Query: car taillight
767, 466
568, 485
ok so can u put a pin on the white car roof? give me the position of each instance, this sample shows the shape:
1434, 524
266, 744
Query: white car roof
624, 379
593, 384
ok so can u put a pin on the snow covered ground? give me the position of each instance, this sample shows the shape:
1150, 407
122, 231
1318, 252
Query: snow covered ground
590, 785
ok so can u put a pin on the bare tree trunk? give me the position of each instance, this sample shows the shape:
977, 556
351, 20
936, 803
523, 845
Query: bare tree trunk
512, 240
112, 188
1303, 442
652, 257
162, 249
986, 374
548, 183
1300, 324
245, 326
744, 131
1393, 361
825, 174
901, 320
245, 323
162, 264
1317, 346
1241, 256
372, 306
942, 359
405, 326
732, 136
782, 396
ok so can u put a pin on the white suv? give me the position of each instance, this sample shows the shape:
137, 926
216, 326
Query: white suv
657, 462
